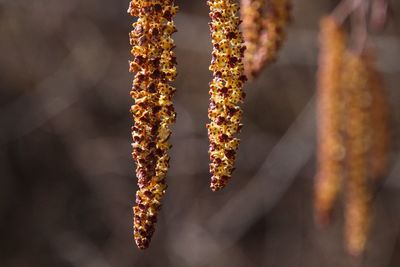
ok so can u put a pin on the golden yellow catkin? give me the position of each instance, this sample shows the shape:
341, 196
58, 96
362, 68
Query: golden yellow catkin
358, 124
380, 117
226, 90
251, 14
154, 67
330, 146
272, 36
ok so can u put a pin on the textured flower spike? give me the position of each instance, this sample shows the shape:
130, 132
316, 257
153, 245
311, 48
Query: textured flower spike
330, 147
273, 34
380, 117
154, 67
251, 14
225, 90
358, 125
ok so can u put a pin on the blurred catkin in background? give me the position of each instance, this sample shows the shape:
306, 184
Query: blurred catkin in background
330, 118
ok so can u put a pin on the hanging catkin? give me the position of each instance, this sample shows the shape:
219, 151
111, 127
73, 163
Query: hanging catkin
330, 147
380, 117
358, 125
225, 90
272, 36
251, 14
154, 67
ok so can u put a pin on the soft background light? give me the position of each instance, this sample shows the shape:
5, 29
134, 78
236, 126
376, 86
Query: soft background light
67, 181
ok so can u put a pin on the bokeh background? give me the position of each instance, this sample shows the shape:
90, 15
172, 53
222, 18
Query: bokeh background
67, 180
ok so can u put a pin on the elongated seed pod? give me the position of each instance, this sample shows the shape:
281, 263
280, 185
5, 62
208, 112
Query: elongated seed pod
251, 14
225, 90
154, 67
273, 34
380, 117
330, 146
358, 104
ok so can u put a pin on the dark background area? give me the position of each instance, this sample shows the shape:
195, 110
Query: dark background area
67, 180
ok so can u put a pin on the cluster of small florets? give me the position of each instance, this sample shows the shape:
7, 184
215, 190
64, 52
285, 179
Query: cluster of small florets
226, 90
369, 138
330, 108
380, 116
251, 14
358, 131
272, 36
353, 132
154, 67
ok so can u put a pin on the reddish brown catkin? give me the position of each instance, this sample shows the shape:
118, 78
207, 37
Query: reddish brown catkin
272, 36
251, 14
226, 90
358, 104
380, 117
330, 147
154, 67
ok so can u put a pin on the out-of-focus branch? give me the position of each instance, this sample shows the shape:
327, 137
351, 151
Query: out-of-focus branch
379, 14
298, 50
344, 9
275, 175
271, 181
76, 74
359, 29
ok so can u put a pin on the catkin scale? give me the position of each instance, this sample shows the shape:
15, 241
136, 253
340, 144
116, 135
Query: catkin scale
330, 146
358, 124
226, 91
154, 67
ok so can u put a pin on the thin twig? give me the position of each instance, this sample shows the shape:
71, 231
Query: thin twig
359, 29
344, 9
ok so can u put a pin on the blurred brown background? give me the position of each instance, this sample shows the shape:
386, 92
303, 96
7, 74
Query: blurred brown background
67, 181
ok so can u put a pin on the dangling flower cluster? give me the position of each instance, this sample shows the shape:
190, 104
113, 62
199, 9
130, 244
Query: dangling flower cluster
358, 131
271, 37
154, 67
330, 110
350, 93
225, 90
380, 116
344, 98
251, 14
